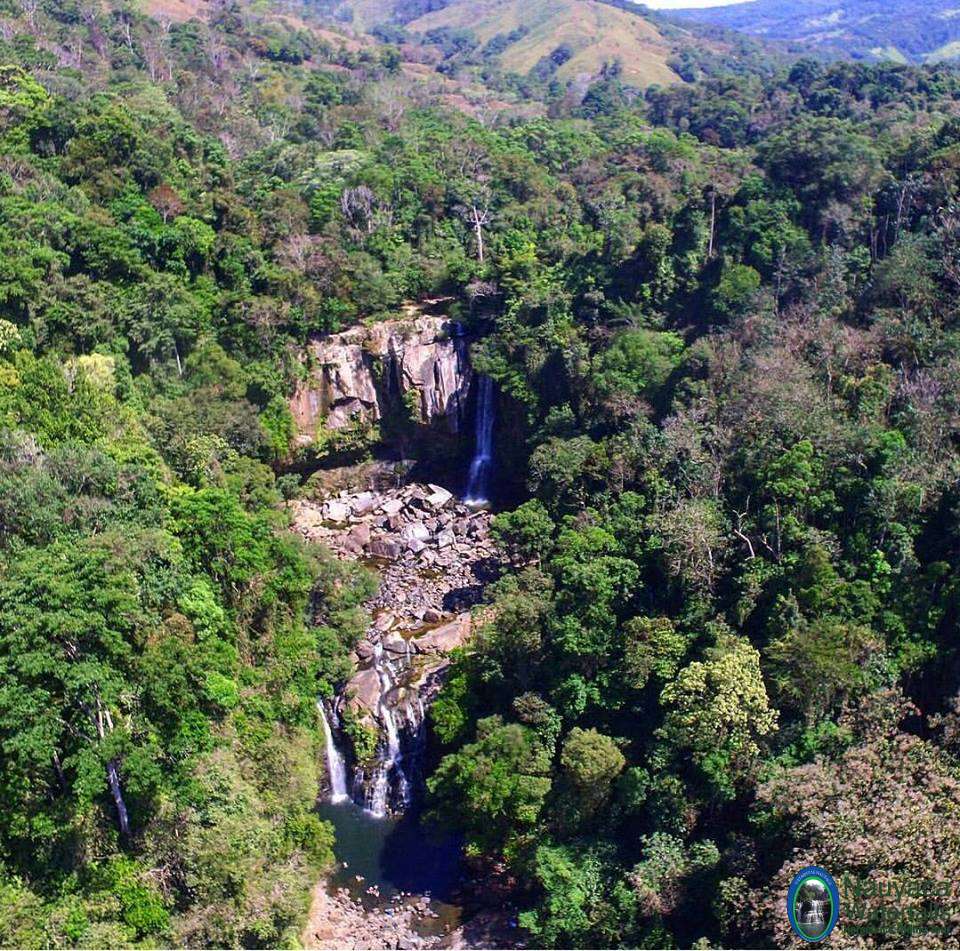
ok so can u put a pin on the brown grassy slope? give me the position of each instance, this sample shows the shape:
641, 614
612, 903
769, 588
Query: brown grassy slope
595, 32
180, 11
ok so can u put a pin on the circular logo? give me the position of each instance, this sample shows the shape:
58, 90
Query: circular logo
813, 903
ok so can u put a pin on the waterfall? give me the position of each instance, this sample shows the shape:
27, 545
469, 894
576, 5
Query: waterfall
393, 738
390, 767
813, 912
335, 765
391, 764
478, 488
379, 792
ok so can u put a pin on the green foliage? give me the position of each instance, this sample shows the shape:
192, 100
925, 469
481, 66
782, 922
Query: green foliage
494, 788
526, 532
638, 363
363, 736
722, 318
450, 712
591, 762
718, 711
585, 904
738, 284
653, 648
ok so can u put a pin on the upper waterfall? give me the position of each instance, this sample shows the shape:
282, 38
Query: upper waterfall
478, 485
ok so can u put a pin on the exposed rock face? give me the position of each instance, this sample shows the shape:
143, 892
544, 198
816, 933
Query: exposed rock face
443, 639
365, 373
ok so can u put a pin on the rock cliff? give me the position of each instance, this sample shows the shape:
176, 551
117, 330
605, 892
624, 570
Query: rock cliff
418, 364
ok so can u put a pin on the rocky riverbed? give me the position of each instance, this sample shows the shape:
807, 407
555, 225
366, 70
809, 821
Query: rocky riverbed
434, 556
338, 921
433, 553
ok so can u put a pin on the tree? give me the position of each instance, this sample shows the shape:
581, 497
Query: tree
738, 285
492, 789
824, 160
591, 762
586, 903
638, 362
653, 648
717, 711
817, 663
68, 635
526, 532
882, 818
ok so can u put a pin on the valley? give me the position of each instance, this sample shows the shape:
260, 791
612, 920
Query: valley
478, 474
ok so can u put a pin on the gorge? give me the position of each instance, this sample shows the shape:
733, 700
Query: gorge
433, 556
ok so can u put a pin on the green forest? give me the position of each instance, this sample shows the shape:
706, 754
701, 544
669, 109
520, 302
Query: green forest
723, 319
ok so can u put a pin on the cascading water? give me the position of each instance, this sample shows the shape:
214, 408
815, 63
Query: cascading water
335, 764
478, 485
390, 768
388, 784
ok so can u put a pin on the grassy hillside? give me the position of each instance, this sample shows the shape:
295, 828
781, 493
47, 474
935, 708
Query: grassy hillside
593, 33
917, 30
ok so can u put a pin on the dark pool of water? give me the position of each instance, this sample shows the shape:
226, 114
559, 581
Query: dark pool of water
394, 855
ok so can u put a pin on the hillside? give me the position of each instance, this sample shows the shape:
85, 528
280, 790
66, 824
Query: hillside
901, 30
588, 34
577, 37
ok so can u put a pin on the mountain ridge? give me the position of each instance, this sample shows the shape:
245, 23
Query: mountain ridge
919, 31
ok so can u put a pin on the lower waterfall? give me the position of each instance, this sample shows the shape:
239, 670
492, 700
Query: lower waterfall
385, 786
335, 765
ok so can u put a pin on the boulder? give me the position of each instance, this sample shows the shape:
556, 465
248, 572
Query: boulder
396, 645
363, 503
438, 497
359, 534
385, 548
391, 507
443, 639
415, 546
445, 539
384, 621
416, 530
335, 511
363, 691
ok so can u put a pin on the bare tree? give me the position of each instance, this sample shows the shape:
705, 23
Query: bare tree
359, 207
30, 8
479, 217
